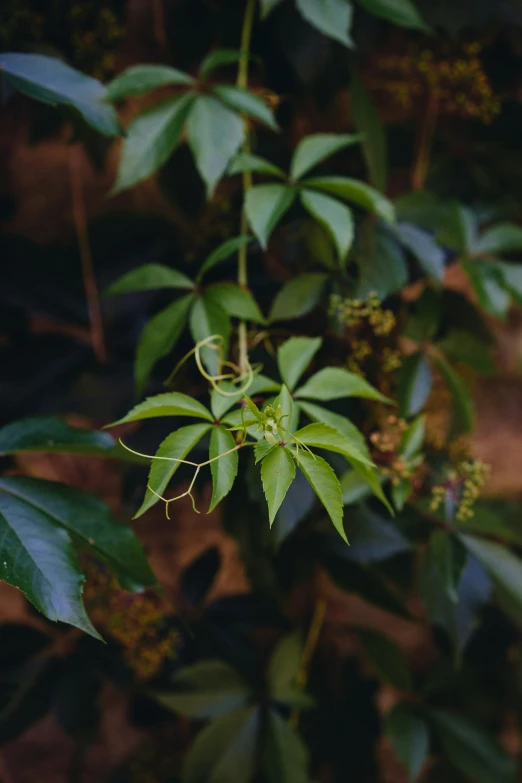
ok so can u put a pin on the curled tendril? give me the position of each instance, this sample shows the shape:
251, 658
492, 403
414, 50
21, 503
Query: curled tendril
215, 343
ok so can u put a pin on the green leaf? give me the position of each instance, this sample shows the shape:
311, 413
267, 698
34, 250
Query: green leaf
399, 12
235, 301
365, 582
277, 473
285, 756
448, 556
267, 6
294, 356
159, 337
374, 537
356, 191
151, 139
488, 283
247, 103
326, 486
383, 268
409, 737
261, 449
284, 666
387, 658
472, 751
312, 150
341, 423
331, 17
333, 383
170, 404
222, 252
220, 404
321, 436
459, 619
204, 690
208, 318
414, 386
219, 57
463, 410
468, 348
225, 750
424, 320
334, 217
51, 435
215, 134
51, 81
298, 297
502, 238
400, 492
176, 446
354, 487
245, 161
265, 205
424, 247
503, 566
374, 481
290, 416
139, 79
38, 558
460, 229
412, 440
224, 470
512, 278
90, 523
147, 278
373, 137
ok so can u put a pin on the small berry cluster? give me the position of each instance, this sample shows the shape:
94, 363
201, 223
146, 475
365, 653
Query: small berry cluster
355, 312
138, 622
464, 484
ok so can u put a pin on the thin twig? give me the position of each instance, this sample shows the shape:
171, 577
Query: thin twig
82, 234
420, 169
310, 647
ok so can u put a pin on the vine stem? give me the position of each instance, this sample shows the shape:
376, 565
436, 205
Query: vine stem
242, 81
89, 280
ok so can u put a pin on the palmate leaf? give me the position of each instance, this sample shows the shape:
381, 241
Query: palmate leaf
51, 435
355, 191
285, 755
313, 149
409, 737
321, 436
246, 102
225, 750
340, 423
224, 469
204, 690
333, 383
89, 521
283, 667
265, 205
148, 278
294, 356
38, 558
169, 404
208, 318
298, 297
159, 337
277, 473
326, 486
215, 134
415, 381
245, 161
176, 446
151, 139
334, 217
235, 301
221, 253
140, 79
52, 81
373, 137
399, 12
331, 17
